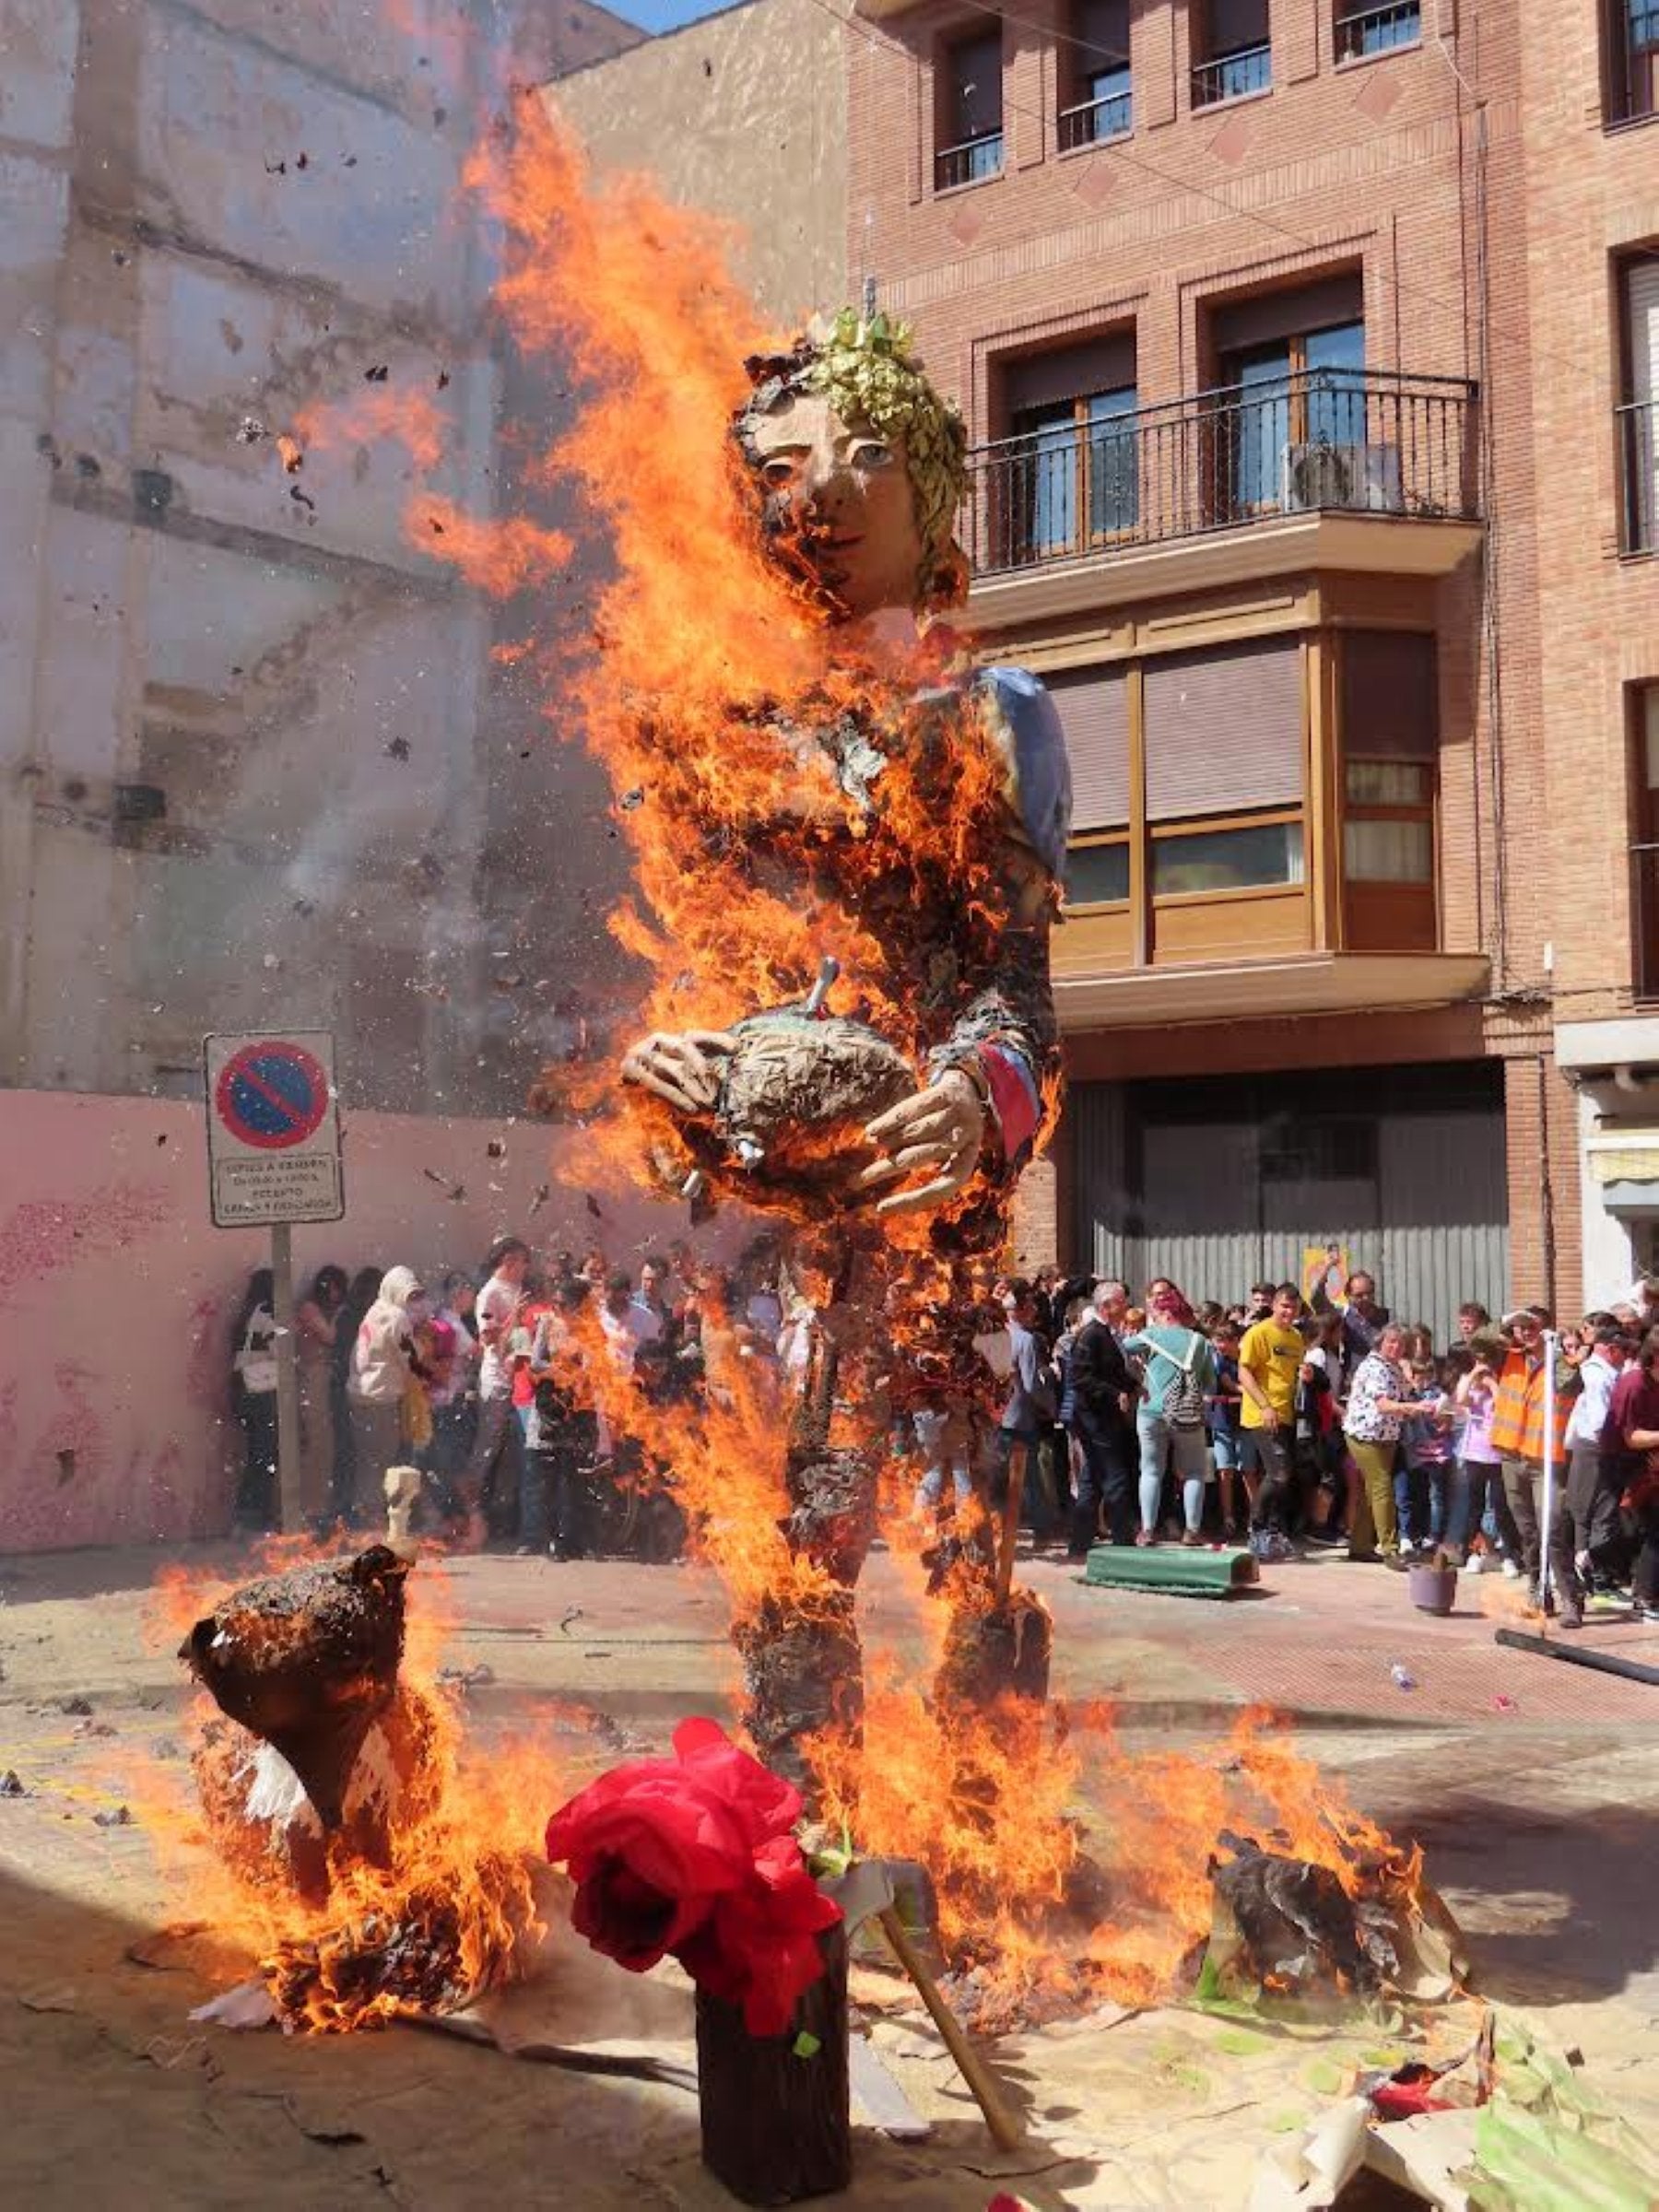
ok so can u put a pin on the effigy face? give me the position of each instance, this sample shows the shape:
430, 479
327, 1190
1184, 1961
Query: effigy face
840, 503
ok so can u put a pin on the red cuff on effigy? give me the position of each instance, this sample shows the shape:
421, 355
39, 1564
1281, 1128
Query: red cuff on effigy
1014, 1098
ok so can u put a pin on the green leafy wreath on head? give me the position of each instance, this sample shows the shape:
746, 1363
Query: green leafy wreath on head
865, 368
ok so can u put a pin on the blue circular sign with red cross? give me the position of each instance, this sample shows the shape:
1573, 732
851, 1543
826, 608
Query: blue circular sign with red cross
272, 1096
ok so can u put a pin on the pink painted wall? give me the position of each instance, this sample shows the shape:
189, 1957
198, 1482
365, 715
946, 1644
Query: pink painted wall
116, 1292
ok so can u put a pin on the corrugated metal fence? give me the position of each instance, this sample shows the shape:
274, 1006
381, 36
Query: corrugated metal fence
1231, 1183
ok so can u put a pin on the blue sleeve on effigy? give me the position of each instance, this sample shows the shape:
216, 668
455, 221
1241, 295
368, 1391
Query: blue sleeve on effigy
1025, 720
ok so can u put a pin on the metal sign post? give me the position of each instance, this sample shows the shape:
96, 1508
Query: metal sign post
273, 1160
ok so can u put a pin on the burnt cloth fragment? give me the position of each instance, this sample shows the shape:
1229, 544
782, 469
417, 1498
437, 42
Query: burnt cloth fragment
307, 1662
1296, 1925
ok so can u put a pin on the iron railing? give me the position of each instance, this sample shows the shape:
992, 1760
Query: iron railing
1230, 75
1633, 60
1092, 122
1365, 440
1638, 471
1362, 31
1644, 918
970, 163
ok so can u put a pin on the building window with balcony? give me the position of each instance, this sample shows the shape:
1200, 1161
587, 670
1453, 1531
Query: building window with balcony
1645, 842
1638, 410
1233, 53
1389, 748
1094, 74
1223, 732
1366, 31
1630, 35
1291, 413
969, 118
1065, 480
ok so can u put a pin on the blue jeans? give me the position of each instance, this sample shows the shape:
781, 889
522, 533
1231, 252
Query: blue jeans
1412, 1502
1037, 1507
1450, 1492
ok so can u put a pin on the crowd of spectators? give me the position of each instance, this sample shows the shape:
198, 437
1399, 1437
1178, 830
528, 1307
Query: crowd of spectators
1290, 1426
1276, 1422
480, 1381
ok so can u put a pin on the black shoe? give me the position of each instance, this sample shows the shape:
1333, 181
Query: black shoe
1570, 1617
1401, 1562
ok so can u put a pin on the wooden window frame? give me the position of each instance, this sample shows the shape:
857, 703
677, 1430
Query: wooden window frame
1088, 539
1090, 840
1198, 825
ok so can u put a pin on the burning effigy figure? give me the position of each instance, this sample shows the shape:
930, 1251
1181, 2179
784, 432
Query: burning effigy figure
912, 810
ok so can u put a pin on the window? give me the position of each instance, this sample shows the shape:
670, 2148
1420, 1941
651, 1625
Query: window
1074, 473
1630, 33
1237, 52
1068, 478
1291, 421
1362, 31
1224, 738
1389, 689
1093, 707
971, 111
1645, 842
1094, 74
1639, 413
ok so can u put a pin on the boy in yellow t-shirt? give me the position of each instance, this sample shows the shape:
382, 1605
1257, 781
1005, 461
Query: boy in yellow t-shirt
1270, 1357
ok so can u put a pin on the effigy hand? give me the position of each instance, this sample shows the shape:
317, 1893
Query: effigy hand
678, 1068
940, 1128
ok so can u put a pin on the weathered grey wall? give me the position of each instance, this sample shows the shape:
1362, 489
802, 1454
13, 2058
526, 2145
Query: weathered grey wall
744, 114
247, 740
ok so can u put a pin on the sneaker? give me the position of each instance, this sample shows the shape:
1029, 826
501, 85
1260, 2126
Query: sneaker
1570, 1616
1193, 1538
1144, 1539
1478, 1563
1511, 1570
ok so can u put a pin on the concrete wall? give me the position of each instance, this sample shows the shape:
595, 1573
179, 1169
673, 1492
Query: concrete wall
744, 115
247, 731
117, 1294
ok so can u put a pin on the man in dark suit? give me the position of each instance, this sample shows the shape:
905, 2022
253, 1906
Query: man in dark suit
1103, 1392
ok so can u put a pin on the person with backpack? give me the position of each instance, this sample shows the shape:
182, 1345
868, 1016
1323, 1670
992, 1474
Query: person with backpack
1179, 1380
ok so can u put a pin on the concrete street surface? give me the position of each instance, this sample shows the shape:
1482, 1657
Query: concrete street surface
1532, 1786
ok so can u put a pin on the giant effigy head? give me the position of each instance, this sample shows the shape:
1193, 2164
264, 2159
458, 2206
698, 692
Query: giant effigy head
861, 465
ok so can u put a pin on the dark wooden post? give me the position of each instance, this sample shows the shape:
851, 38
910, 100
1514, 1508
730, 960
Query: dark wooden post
776, 2112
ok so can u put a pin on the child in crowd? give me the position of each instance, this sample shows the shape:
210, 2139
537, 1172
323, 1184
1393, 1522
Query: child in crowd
1222, 1407
1476, 1399
1425, 1451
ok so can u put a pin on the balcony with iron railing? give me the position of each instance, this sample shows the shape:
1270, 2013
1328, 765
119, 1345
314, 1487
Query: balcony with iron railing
1360, 443
1632, 60
1095, 122
1639, 474
1644, 917
971, 162
1232, 76
1362, 33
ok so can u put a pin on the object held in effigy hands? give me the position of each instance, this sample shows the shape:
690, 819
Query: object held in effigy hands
795, 1094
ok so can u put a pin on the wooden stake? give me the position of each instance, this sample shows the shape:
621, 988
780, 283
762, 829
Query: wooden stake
1004, 2127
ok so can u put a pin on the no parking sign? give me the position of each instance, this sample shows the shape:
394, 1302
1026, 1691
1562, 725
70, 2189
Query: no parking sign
273, 1129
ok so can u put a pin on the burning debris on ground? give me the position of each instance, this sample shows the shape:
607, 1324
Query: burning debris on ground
377, 1872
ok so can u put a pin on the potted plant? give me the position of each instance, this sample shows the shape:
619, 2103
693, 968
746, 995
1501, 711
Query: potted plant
1431, 1583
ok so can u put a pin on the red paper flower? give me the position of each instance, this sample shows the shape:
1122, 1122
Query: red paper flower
696, 1855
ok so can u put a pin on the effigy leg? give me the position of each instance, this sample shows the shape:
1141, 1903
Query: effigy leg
803, 1662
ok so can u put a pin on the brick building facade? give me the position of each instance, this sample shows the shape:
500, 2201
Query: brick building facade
1307, 356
